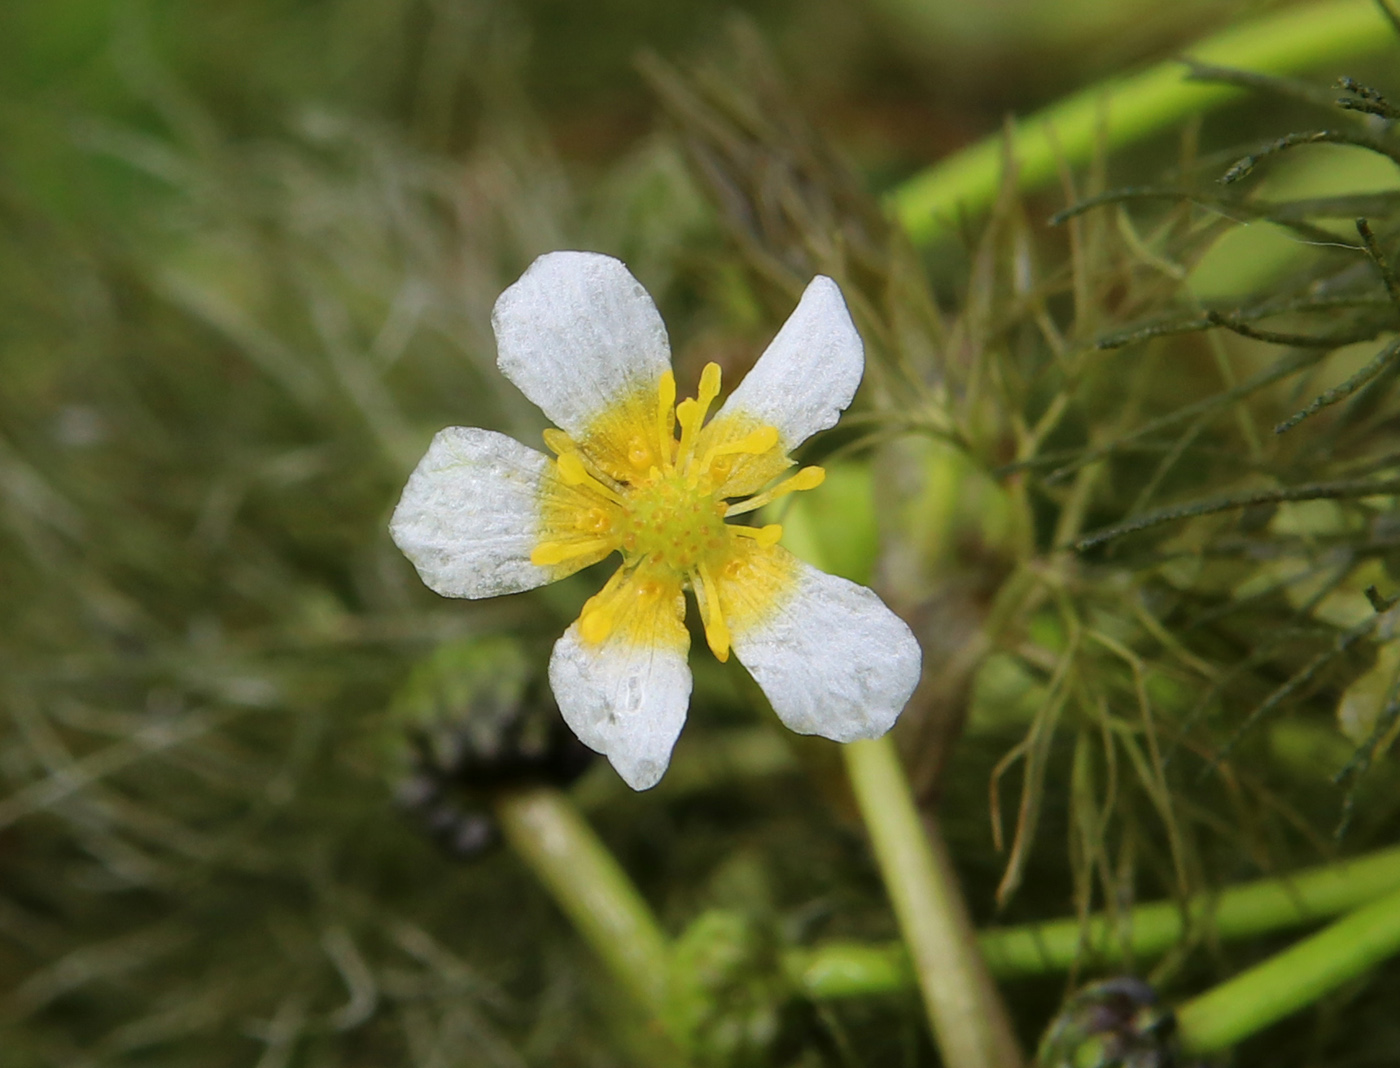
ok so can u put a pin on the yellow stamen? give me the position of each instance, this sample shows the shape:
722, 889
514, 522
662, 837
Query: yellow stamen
807, 478
755, 444
558, 442
709, 386
649, 479
549, 553
765, 536
666, 419
596, 622
691, 413
631, 598
600, 612
716, 630
573, 473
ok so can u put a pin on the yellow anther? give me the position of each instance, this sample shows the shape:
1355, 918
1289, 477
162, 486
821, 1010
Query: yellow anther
627, 593
691, 413
717, 637
807, 478
549, 553
709, 387
755, 444
600, 613
558, 441
766, 537
595, 624
573, 473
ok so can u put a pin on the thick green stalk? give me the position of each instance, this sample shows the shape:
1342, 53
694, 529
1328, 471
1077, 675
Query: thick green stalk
1122, 110
1291, 980
548, 833
970, 1024
842, 969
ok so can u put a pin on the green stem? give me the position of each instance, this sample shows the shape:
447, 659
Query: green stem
1122, 110
970, 1023
547, 832
1291, 980
845, 969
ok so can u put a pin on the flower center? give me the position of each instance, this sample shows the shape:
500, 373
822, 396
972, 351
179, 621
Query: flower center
661, 500
674, 522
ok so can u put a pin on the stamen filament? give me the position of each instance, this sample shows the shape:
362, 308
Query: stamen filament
716, 629
807, 478
666, 420
573, 473
688, 414
601, 611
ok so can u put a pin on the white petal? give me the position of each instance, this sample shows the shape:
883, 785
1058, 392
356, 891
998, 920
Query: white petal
577, 333
624, 700
832, 658
808, 375
469, 515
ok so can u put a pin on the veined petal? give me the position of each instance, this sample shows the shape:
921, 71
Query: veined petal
578, 334
808, 375
626, 695
832, 658
469, 514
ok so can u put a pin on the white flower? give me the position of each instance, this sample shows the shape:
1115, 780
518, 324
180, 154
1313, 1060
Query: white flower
484, 515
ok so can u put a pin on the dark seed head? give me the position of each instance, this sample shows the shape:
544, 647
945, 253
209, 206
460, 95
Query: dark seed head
1117, 1023
475, 718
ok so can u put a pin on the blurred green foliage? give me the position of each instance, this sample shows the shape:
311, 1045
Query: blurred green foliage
247, 258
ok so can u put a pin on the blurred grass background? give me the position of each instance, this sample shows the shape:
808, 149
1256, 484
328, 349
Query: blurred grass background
248, 253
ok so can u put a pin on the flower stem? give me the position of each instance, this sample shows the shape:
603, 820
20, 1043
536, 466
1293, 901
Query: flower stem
970, 1023
548, 833
842, 969
1119, 111
1292, 979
